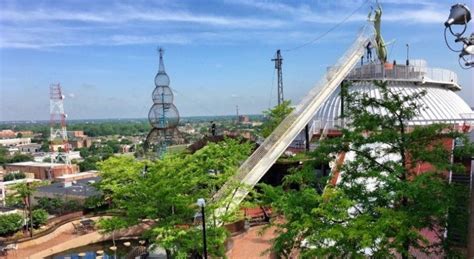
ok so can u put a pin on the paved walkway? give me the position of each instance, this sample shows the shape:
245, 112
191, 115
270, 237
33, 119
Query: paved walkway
64, 238
252, 245
60, 235
248, 245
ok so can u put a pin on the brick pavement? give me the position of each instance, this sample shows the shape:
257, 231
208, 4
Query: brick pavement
251, 244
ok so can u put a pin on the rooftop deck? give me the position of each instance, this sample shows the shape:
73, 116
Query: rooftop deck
416, 72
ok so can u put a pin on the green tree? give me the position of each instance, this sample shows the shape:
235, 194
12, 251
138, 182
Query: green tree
18, 157
89, 163
274, 117
3, 155
14, 176
10, 223
23, 192
168, 190
40, 217
381, 203
50, 205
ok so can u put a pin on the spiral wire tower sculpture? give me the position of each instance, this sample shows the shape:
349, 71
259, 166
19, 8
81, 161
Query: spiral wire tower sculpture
163, 115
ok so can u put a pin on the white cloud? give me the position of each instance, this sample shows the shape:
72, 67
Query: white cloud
124, 14
48, 27
426, 15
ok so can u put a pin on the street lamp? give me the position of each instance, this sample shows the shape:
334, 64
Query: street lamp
202, 203
408, 51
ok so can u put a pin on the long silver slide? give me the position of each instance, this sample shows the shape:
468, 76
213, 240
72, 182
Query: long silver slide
253, 169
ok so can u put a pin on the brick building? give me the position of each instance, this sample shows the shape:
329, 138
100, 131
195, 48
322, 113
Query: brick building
42, 170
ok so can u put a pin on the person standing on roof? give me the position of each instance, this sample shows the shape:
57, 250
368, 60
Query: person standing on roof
369, 51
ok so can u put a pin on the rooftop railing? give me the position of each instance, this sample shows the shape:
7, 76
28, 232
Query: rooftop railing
402, 72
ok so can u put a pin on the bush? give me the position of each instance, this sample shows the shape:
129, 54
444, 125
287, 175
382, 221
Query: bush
10, 223
40, 216
71, 206
57, 205
14, 176
51, 205
94, 203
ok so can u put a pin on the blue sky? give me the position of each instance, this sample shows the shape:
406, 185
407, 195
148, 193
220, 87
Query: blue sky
217, 53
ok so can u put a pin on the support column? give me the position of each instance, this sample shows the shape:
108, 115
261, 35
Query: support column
306, 131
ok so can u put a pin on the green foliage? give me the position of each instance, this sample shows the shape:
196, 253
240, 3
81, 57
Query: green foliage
275, 116
40, 217
51, 205
6, 158
3, 155
381, 203
71, 206
107, 225
93, 129
10, 223
94, 202
18, 157
168, 191
14, 176
89, 163
57, 205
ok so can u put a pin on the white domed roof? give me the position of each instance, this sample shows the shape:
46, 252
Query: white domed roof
441, 104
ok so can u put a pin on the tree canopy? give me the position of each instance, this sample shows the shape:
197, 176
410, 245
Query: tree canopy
166, 191
383, 200
274, 116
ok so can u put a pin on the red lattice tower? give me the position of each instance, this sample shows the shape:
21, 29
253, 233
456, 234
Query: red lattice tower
59, 145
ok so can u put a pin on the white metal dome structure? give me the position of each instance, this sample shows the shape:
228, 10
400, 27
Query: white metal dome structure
441, 103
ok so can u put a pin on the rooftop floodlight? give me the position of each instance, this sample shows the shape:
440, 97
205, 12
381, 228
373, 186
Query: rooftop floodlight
459, 14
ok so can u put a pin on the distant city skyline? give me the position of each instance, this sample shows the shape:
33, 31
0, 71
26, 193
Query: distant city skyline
217, 53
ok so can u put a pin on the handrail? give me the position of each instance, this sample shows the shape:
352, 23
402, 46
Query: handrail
374, 71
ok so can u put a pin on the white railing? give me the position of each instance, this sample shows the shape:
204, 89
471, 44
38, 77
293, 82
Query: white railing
402, 72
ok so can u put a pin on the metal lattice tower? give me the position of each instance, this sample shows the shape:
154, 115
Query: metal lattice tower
163, 115
58, 142
278, 61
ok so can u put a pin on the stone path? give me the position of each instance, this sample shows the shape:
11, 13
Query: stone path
251, 244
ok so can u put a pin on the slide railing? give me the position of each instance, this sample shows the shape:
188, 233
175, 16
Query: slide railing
253, 169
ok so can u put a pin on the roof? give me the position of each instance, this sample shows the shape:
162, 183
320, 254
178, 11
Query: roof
29, 145
442, 104
69, 176
24, 180
36, 164
80, 187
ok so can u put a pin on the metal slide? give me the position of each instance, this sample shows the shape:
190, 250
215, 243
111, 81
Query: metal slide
253, 169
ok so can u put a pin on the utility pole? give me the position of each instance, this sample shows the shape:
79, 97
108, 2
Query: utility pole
28, 188
408, 52
237, 110
278, 61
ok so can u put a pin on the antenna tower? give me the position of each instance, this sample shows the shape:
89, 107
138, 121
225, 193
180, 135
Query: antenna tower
237, 110
278, 61
163, 115
58, 143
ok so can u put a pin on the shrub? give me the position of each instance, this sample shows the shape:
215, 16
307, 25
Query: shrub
10, 223
40, 217
72, 206
14, 176
51, 205
94, 202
